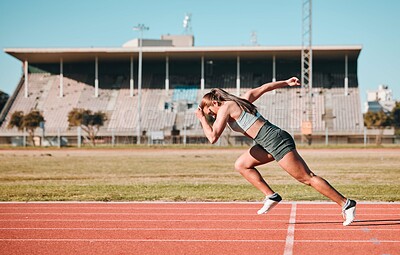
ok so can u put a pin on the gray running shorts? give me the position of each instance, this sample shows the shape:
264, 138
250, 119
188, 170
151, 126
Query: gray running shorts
275, 141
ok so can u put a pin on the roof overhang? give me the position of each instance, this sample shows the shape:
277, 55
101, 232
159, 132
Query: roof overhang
54, 55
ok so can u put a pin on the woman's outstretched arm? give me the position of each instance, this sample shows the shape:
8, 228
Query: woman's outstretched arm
253, 94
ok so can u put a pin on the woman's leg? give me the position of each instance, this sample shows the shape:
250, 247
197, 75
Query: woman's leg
294, 164
246, 164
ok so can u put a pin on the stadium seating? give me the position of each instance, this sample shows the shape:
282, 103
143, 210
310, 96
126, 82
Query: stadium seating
165, 111
347, 116
55, 108
38, 89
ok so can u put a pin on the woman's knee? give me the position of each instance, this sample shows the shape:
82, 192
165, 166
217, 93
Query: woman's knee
307, 179
240, 165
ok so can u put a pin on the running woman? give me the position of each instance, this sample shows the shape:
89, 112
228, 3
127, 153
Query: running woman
272, 143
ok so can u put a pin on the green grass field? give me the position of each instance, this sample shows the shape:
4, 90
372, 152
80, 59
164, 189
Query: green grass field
202, 174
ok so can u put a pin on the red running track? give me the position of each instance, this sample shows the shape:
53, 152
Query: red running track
196, 228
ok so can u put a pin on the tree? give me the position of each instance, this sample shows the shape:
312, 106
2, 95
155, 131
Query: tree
88, 121
16, 120
30, 122
396, 118
379, 120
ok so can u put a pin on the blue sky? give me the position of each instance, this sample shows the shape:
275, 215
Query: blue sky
374, 24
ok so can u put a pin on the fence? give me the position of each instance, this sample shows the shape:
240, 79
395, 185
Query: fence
76, 137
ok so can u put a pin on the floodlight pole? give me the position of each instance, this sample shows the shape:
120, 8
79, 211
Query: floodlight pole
140, 28
306, 67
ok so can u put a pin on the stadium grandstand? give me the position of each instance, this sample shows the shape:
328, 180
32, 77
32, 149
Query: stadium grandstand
175, 76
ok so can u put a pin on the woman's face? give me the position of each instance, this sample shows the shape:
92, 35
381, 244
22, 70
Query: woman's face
211, 110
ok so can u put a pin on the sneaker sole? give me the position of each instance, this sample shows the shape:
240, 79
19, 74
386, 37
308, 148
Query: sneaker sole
272, 205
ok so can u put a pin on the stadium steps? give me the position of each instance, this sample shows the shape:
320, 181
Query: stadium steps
179, 120
328, 116
47, 85
112, 100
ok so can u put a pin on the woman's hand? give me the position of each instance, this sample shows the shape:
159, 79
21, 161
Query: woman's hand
294, 81
199, 113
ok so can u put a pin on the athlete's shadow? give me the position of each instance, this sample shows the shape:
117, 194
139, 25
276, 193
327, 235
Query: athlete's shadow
380, 222
364, 223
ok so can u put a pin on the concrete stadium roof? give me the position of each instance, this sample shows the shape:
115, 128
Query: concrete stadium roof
53, 55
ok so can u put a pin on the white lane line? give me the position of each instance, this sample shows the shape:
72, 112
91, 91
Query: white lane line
136, 214
290, 232
140, 240
344, 241
131, 208
150, 229
189, 229
184, 241
186, 214
192, 229
375, 241
165, 220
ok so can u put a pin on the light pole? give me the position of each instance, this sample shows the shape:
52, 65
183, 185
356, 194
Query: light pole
140, 28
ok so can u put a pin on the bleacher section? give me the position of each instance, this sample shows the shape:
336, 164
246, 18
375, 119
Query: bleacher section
165, 111
38, 88
154, 117
124, 116
347, 110
55, 108
287, 108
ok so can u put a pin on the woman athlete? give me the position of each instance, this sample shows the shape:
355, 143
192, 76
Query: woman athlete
272, 143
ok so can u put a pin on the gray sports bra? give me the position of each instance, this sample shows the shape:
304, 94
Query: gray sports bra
245, 121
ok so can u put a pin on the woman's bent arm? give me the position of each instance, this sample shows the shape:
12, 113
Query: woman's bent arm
213, 132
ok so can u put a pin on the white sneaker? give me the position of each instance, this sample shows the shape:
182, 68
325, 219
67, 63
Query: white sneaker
269, 203
349, 212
